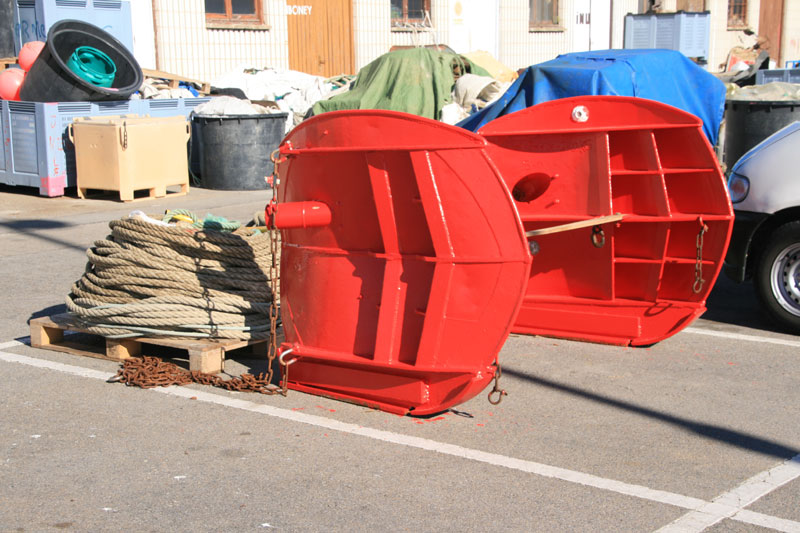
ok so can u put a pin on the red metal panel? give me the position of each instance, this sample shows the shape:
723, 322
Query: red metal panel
577, 158
404, 258
404, 300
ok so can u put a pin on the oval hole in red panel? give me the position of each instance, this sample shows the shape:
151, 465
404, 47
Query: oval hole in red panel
531, 187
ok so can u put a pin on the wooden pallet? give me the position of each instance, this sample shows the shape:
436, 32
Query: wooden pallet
205, 355
8, 62
173, 80
129, 195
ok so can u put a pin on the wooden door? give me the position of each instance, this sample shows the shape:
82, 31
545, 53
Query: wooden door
321, 36
770, 26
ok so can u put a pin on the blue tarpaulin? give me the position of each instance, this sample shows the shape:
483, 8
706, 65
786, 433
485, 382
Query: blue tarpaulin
663, 75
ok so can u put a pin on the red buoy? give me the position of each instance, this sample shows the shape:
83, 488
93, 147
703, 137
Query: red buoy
28, 54
10, 82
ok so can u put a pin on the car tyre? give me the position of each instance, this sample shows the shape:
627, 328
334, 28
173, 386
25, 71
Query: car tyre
777, 276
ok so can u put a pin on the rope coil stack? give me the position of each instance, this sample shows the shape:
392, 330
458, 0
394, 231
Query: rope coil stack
147, 279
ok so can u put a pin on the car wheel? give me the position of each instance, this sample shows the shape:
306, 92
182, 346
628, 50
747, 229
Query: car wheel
777, 276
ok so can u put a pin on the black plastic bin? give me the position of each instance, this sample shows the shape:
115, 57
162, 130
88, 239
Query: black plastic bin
50, 80
748, 122
235, 149
7, 28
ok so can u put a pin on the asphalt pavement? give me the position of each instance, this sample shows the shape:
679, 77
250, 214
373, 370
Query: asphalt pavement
696, 433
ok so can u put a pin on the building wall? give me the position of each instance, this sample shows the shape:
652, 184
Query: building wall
370, 30
790, 45
374, 35
144, 42
519, 47
723, 39
621, 8
186, 47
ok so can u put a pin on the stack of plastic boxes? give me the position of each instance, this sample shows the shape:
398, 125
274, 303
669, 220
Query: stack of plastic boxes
33, 18
689, 33
36, 151
787, 75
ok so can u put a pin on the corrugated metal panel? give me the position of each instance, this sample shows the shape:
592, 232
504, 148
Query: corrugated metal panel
620, 8
188, 48
374, 35
520, 47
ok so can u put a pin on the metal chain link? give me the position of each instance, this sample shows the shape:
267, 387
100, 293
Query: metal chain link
149, 372
496, 389
274, 274
598, 237
698, 265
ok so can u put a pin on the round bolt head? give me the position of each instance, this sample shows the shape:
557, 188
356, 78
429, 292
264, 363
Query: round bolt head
580, 113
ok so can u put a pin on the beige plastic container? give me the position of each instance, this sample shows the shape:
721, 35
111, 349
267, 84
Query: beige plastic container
131, 153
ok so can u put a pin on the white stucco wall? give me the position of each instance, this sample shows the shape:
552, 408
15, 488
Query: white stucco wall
187, 47
790, 45
723, 39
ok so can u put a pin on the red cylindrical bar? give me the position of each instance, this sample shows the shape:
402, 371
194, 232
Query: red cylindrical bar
299, 215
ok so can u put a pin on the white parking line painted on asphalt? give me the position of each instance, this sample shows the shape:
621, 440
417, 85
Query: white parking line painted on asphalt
732, 503
742, 337
772, 522
53, 365
10, 344
721, 508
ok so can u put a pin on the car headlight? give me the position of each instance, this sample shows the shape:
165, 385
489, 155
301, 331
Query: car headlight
738, 187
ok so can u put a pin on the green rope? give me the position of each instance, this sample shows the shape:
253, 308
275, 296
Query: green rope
211, 222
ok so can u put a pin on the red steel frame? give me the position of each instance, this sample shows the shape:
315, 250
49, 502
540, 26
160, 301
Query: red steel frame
405, 260
404, 298
646, 160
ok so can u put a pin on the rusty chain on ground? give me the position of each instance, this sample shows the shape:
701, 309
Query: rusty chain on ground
150, 372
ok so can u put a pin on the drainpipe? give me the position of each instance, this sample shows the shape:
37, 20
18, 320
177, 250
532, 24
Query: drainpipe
155, 33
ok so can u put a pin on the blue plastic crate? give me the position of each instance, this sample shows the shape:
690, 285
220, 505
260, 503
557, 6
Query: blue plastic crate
789, 75
36, 151
33, 18
687, 33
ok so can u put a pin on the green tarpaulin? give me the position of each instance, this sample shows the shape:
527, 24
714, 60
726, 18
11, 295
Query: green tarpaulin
417, 81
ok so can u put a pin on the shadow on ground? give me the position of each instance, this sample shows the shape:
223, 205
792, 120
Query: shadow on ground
48, 311
736, 304
731, 437
33, 227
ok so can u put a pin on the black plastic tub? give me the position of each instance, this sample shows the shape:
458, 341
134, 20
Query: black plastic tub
50, 80
235, 149
748, 122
